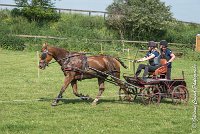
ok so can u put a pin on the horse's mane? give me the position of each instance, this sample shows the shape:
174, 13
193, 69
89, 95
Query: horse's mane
58, 49
57, 53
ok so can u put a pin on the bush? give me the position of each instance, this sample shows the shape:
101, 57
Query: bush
182, 33
16, 12
12, 43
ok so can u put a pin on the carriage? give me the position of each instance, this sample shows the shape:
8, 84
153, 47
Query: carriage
155, 87
78, 66
153, 90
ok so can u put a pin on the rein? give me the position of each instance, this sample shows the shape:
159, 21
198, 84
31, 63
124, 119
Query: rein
134, 61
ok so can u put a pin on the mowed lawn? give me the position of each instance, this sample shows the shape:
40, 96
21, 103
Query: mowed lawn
25, 103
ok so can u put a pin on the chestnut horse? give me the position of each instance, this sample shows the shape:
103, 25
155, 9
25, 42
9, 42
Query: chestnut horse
103, 63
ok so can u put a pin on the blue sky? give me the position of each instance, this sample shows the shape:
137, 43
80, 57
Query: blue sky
184, 10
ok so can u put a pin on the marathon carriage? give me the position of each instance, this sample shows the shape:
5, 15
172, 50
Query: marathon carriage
155, 87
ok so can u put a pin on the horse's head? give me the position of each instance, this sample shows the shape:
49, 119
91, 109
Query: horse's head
45, 57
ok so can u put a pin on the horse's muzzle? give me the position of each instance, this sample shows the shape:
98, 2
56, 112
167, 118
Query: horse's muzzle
42, 65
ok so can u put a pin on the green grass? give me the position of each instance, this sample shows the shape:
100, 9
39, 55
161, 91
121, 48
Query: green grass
19, 81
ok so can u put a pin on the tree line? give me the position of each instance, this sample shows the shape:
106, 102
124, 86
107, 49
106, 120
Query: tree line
142, 20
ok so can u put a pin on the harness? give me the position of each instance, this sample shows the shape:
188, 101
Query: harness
76, 62
111, 66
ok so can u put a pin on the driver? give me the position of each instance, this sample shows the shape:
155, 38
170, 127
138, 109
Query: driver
153, 56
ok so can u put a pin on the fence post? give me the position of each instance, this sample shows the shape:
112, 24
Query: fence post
129, 63
101, 49
37, 56
197, 48
123, 45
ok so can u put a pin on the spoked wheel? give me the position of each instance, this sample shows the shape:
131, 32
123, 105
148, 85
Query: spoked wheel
129, 96
180, 95
150, 95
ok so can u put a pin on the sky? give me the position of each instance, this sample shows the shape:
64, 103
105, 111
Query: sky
183, 10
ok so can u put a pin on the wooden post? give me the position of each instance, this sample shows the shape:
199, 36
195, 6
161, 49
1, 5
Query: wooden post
101, 48
122, 46
129, 63
37, 56
197, 48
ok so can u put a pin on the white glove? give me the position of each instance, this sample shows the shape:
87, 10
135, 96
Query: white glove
139, 60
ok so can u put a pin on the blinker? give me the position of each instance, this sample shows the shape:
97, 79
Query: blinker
44, 56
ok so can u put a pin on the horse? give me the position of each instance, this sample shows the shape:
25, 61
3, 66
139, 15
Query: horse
98, 63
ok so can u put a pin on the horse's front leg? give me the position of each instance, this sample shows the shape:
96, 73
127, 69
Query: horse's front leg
101, 89
75, 91
68, 78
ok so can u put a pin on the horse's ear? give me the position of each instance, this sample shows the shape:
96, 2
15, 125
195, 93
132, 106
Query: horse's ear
44, 46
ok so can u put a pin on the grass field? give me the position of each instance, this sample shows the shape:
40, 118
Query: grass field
25, 103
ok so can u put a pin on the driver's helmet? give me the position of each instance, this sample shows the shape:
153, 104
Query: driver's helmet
151, 44
164, 43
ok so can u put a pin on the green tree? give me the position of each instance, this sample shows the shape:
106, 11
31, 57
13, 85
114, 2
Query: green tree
139, 19
36, 10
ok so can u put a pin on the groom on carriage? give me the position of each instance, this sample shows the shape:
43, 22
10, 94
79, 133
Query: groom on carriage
167, 54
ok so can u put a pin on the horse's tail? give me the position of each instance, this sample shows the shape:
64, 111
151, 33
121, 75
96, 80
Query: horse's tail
121, 62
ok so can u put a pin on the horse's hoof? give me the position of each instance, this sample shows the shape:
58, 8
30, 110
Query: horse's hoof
94, 103
54, 104
84, 98
89, 99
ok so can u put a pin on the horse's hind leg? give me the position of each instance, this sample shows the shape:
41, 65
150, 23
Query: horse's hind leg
75, 91
101, 89
68, 79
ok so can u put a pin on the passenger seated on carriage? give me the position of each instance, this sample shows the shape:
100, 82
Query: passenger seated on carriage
167, 54
153, 56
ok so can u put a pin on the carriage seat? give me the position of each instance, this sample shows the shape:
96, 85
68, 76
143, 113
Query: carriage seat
161, 71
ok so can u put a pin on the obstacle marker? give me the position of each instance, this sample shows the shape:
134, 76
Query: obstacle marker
197, 48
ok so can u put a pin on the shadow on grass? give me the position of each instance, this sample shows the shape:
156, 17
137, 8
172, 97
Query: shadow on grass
166, 101
64, 100
79, 100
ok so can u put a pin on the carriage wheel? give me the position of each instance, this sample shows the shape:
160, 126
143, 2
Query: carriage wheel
151, 94
129, 96
180, 95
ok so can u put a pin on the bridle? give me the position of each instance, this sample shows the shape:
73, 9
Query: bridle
44, 56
